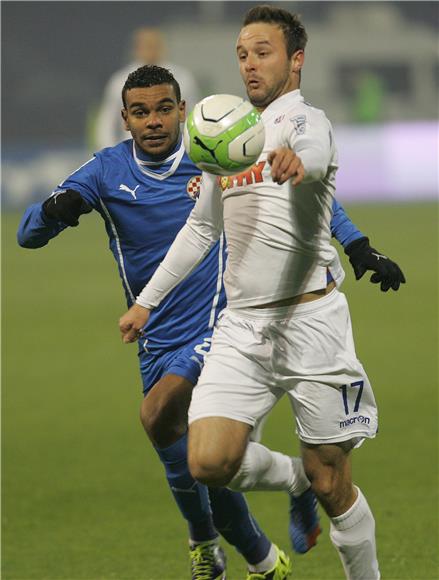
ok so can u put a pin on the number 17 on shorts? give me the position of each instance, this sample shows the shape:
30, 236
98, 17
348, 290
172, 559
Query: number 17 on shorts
359, 408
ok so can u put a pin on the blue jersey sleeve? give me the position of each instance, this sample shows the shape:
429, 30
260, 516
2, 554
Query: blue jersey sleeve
342, 228
36, 230
87, 180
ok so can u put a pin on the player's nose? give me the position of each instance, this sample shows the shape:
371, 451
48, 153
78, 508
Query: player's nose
250, 63
154, 121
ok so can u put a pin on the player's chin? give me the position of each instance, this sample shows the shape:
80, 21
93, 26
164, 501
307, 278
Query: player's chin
256, 96
156, 148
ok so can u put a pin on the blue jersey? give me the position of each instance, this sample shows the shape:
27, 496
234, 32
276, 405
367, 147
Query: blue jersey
144, 204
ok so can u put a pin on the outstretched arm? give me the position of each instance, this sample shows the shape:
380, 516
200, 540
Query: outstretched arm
361, 255
36, 229
76, 195
43, 221
202, 229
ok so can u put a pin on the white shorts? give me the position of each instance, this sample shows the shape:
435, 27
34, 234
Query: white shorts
306, 351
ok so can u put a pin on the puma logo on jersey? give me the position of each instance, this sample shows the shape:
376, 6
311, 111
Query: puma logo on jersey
378, 256
252, 175
124, 187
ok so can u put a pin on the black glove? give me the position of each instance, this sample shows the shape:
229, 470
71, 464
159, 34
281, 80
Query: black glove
66, 206
362, 258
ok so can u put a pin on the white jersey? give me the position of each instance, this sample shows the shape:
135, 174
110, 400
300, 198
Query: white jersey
278, 236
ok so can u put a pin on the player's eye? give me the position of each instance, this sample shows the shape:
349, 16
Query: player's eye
242, 56
139, 113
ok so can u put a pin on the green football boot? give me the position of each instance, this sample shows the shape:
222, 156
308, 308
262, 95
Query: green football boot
280, 571
208, 561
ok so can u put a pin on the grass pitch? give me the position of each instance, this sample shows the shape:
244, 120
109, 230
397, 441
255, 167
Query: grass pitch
84, 495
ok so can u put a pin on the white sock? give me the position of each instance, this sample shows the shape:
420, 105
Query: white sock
353, 535
266, 564
265, 470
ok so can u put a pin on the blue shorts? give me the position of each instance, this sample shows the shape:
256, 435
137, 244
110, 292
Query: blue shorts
185, 361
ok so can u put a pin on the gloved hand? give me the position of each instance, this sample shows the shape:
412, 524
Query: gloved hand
362, 258
66, 206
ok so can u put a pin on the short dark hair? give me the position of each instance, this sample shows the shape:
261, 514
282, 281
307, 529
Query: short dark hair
294, 31
150, 75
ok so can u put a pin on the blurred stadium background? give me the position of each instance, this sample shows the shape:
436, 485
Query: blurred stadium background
84, 496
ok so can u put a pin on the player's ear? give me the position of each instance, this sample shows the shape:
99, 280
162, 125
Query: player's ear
124, 114
182, 111
297, 61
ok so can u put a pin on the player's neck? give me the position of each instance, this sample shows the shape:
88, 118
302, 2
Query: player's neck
142, 156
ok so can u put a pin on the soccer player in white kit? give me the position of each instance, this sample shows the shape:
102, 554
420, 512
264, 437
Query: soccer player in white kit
287, 327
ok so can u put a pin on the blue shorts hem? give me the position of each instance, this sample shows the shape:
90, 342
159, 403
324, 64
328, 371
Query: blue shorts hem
189, 373
185, 362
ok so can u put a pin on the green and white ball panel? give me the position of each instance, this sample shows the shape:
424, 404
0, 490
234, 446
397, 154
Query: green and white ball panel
247, 147
216, 113
224, 134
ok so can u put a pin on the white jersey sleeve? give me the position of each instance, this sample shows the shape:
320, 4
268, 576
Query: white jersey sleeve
202, 229
310, 136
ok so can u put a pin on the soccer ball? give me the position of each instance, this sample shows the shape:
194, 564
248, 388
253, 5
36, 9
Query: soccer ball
224, 135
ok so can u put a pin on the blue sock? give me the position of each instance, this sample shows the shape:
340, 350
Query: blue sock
192, 497
234, 521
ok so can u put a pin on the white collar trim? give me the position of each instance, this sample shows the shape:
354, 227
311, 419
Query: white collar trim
279, 104
175, 158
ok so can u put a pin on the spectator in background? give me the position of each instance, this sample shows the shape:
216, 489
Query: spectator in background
148, 47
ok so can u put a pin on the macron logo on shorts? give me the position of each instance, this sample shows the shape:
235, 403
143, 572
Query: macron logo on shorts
353, 420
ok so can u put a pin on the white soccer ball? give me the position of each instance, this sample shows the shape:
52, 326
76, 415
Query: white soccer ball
224, 134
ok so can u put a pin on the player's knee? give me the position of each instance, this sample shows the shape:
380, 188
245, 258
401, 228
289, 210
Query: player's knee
328, 470
323, 478
324, 485
159, 429
331, 489
214, 472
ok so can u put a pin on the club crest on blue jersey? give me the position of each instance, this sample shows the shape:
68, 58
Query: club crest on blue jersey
193, 187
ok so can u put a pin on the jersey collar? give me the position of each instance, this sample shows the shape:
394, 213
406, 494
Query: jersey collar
146, 165
280, 104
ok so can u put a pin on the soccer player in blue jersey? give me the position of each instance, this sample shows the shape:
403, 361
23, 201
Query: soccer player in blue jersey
144, 188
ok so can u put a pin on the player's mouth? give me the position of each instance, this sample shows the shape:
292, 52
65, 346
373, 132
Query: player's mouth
156, 139
253, 83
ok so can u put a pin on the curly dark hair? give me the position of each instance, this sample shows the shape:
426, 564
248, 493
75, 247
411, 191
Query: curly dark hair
294, 31
150, 75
